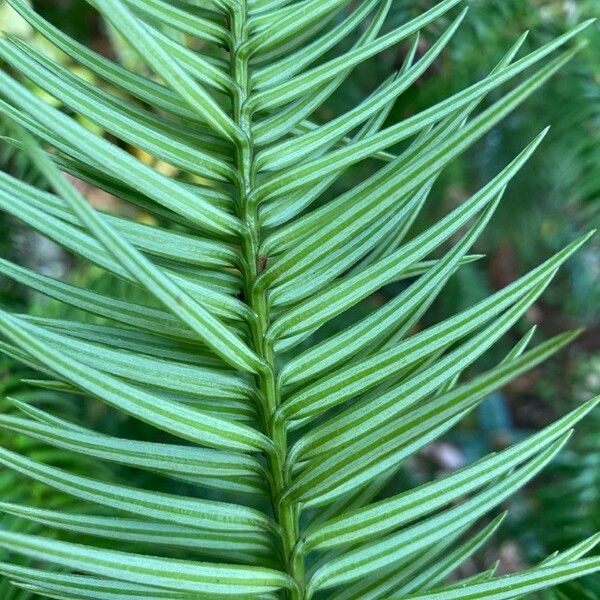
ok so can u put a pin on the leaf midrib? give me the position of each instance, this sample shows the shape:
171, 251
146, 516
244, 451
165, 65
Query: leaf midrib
285, 513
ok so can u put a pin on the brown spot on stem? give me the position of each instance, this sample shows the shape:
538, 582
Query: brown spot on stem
262, 263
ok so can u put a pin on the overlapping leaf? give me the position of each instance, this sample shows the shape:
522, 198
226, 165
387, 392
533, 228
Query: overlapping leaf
239, 269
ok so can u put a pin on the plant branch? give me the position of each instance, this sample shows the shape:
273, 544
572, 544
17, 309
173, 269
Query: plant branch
286, 513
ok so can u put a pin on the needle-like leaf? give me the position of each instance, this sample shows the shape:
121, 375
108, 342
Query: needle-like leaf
218, 402
187, 576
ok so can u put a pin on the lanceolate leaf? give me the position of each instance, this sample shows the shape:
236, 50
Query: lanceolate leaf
182, 20
155, 186
449, 563
274, 127
468, 318
385, 447
193, 512
66, 586
293, 21
386, 580
145, 532
308, 172
292, 64
373, 520
155, 240
142, 317
170, 375
161, 457
357, 563
149, 344
347, 291
107, 111
136, 33
283, 209
512, 586
365, 375
169, 416
214, 297
140, 87
288, 153
187, 576
303, 174
305, 83
375, 204
210, 330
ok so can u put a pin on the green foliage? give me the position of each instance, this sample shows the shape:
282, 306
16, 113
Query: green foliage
246, 439
556, 197
553, 200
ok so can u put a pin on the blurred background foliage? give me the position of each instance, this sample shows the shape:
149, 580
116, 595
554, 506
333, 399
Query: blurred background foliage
553, 200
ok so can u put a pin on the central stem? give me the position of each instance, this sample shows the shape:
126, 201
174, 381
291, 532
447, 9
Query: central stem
285, 512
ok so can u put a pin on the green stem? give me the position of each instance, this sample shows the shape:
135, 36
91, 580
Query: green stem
286, 513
